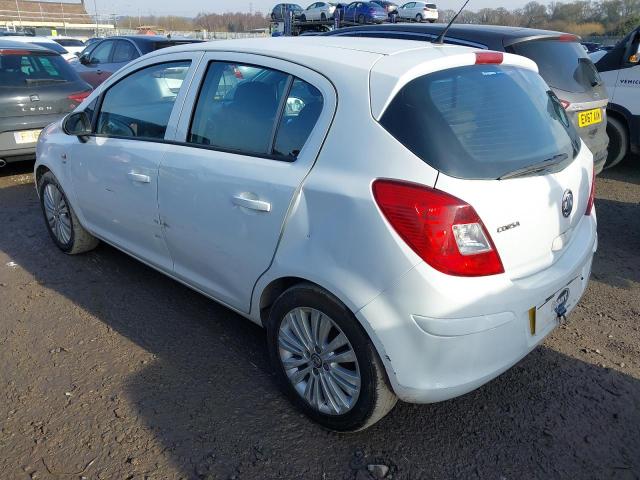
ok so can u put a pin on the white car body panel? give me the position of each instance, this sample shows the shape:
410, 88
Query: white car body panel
325, 227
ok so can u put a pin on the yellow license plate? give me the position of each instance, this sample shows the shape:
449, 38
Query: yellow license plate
26, 136
589, 117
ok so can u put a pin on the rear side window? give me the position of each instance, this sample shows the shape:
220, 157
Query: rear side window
254, 111
140, 105
25, 69
481, 122
563, 65
124, 52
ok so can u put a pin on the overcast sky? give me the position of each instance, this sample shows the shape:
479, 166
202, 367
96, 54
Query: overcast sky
192, 7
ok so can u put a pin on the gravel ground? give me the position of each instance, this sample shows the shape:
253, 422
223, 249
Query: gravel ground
110, 370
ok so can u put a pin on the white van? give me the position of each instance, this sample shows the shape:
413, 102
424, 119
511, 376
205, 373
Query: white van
620, 70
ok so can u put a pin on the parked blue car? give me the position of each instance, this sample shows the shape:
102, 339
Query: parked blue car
364, 12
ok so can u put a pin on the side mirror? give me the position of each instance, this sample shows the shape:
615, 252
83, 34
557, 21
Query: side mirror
78, 125
84, 59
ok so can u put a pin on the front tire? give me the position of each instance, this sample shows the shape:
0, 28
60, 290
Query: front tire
361, 19
325, 362
62, 223
618, 142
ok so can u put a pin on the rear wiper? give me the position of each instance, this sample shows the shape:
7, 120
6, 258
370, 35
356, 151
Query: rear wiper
536, 168
29, 81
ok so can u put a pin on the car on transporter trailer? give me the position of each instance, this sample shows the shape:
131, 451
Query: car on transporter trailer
562, 61
417, 265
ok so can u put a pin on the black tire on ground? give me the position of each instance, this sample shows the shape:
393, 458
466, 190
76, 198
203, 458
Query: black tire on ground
361, 19
419, 18
303, 18
323, 17
375, 399
432, 21
80, 240
618, 142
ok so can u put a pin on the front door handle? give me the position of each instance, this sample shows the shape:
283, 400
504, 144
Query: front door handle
139, 177
250, 201
99, 72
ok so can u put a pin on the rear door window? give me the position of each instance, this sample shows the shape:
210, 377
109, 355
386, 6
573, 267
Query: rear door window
254, 111
124, 52
481, 122
563, 65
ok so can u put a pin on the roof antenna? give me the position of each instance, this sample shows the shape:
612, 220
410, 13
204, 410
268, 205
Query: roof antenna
440, 39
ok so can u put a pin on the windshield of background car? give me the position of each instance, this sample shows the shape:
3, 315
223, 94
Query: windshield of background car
25, 69
481, 121
563, 65
69, 42
52, 46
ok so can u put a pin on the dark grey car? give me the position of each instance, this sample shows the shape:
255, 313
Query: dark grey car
562, 62
37, 87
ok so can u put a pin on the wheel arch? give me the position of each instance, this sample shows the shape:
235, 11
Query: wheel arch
278, 286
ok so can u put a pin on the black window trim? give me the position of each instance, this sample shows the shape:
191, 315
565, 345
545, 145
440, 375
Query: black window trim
267, 156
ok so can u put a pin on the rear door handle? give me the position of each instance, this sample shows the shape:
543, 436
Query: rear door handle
139, 177
99, 72
245, 200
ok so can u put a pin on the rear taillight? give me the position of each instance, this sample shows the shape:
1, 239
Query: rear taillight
238, 73
79, 97
444, 231
565, 104
592, 194
484, 58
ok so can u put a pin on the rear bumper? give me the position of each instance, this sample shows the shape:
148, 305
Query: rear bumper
440, 336
10, 150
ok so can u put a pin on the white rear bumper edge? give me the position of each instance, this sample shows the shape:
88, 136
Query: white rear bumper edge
435, 358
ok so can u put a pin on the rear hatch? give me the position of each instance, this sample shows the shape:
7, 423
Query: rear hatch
36, 84
566, 67
502, 143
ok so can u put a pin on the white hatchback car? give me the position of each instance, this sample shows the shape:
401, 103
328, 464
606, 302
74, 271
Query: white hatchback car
419, 11
406, 220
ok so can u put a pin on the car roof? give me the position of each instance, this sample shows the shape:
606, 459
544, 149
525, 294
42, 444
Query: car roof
490, 35
25, 38
20, 45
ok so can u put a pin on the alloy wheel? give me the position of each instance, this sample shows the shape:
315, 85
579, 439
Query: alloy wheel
57, 212
319, 361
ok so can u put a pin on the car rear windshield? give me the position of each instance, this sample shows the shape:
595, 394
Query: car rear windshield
481, 121
22, 68
564, 65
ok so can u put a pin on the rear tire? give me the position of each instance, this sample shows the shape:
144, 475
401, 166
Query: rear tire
313, 382
419, 18
323, 17
303, 18
62, 223
432, 21
618, 142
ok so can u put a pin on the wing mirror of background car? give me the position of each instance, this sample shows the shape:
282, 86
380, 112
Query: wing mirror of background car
77, 124
84, 59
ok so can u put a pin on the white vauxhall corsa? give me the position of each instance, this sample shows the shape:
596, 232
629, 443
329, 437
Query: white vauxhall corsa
406, 220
